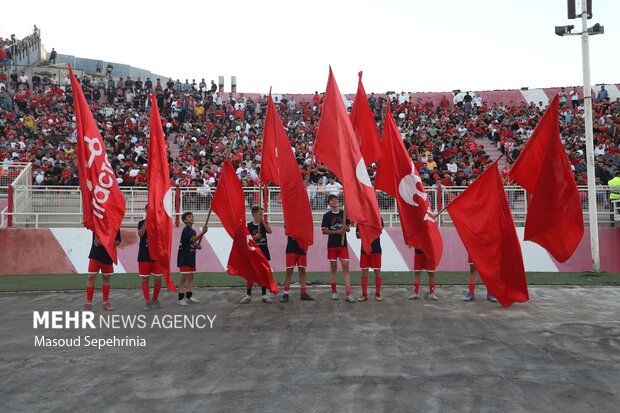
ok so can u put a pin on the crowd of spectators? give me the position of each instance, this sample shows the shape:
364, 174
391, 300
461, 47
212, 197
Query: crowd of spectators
448, 142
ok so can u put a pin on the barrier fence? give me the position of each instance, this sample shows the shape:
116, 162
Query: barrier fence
61, 206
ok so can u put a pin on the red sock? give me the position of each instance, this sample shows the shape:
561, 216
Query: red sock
472, 288
431, 287
303, 288
156, 289
416, 287
106, 292
347, 290
378, 281
334, 288
364, 285
145, 290
287, 289
90, 291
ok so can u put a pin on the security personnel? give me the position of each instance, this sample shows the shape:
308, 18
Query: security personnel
614, 191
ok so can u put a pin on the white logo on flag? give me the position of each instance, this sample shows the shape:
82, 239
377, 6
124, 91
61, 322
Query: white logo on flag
167, 201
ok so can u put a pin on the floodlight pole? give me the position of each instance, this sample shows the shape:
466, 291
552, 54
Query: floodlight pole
587, 103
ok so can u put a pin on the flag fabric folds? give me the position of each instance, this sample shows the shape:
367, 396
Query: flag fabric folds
246, 259
364, 125
554, 217
397, 176
336, 146
103, 203
159, 208
282, 169
484, 222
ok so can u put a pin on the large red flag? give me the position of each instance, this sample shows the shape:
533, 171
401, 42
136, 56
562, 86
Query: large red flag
554, 217
364, 125
397, 176
295, 203
336, 146
483, 220
159, 209
246, 259
103, 203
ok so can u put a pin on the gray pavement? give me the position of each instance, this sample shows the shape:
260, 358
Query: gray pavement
558, 353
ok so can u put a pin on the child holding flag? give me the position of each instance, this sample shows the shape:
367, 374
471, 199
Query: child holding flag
186, 259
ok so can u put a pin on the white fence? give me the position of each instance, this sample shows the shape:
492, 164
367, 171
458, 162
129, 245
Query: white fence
60, 206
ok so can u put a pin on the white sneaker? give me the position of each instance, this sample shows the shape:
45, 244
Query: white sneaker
335, 296
414, 296
266, 299
433, 297
192, 300
182, 303
246, 299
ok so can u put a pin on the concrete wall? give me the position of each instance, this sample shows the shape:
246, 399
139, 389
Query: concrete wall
65, 251
120, 70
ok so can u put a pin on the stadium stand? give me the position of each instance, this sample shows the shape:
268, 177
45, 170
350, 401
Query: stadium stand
449, 144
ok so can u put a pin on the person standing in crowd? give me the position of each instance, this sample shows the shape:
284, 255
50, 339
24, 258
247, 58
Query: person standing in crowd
259, 228
472, 283
99, 261
372, 260
186, 259
148, 267
422, 263
53, 55
295, 256
334, 226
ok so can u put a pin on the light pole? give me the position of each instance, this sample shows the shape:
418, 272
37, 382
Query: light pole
587, 103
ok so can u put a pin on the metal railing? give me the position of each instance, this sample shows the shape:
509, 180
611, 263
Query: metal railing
49, 206
8, 173
518, 200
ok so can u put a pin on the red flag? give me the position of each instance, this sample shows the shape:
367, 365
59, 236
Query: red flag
159, 209
268, 161
102, 200
483, 220
554, 217
397, 176
246, 259
336, 146
364, 125
295, 203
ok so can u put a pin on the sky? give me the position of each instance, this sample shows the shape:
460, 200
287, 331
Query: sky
412, 46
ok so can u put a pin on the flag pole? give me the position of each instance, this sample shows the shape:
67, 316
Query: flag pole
344, 222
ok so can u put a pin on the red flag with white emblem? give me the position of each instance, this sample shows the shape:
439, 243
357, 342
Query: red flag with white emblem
103, 204
397, 176
337, 147
246, 259
159, 209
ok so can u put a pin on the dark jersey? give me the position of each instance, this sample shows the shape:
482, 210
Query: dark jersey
292, 247
333, 221
262, 241
143, 251
376, 244
99, 253
187, 249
